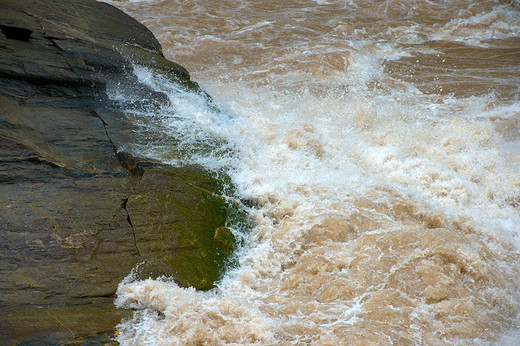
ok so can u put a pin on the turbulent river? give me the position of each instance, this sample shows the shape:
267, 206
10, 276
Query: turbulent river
379, 144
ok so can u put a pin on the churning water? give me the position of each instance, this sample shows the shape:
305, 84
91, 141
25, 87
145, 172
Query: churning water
379, 142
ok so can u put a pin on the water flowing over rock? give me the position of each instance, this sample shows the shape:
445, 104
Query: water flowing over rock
77, 211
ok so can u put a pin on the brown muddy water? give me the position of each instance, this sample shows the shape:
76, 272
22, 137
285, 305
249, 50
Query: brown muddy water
379, 142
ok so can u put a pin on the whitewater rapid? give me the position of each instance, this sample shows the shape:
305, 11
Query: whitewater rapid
379, 146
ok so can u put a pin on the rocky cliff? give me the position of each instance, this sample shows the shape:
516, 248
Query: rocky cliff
77, 212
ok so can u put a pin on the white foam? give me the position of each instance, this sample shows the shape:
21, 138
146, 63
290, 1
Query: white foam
378, 208
299, 157
501, 22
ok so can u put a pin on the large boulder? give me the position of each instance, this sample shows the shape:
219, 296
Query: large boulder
77, 213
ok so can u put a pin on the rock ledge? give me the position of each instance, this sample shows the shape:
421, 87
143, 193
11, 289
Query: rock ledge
77, 212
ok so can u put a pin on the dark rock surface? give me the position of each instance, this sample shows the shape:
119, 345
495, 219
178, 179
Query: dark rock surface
76, 212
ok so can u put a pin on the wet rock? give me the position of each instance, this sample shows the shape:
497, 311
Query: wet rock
225, 237
77, 211
161, 203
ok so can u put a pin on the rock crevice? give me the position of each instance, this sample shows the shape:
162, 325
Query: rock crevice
129, 219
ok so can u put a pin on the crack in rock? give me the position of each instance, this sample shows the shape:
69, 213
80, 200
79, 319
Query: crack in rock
130, 164
123, 205
127, 160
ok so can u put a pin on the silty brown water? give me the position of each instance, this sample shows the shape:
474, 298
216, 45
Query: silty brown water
379, 143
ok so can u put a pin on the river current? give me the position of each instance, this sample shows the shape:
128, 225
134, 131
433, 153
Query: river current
378, 143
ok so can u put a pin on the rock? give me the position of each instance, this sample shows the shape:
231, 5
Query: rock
161, 202
77, 212
225, 237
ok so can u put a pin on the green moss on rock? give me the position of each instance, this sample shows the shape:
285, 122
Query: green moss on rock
187, 219
225, 237
91, 211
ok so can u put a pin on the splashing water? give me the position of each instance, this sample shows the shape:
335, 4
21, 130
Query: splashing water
379, 144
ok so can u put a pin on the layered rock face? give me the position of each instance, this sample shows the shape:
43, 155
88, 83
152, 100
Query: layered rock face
77, 212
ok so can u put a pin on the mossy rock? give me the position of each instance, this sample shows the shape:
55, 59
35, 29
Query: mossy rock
78, 211
225, 237
179, 222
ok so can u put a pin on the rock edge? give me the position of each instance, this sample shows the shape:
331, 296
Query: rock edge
78, 212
